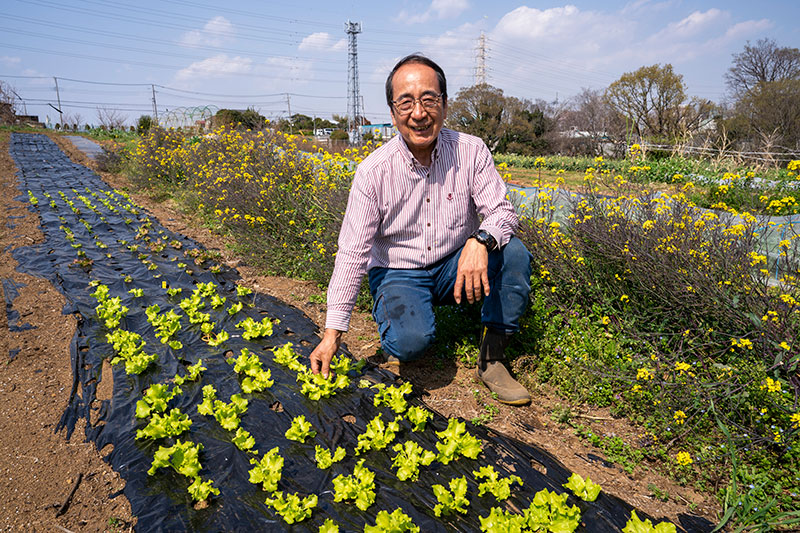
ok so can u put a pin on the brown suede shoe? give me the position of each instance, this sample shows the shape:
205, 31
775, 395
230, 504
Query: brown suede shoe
499, 380
494, 373
392, 364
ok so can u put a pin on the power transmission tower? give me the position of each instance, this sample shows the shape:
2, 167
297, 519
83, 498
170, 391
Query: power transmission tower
354, 109
480, 60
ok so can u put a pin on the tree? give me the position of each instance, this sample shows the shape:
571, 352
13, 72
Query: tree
768, 114
653, 102
763, 62
480, 110
505, 123
144, 124
73, 119
340, 121
650, 99
592, 120
8, 102
249, 119
110, 119
528, 124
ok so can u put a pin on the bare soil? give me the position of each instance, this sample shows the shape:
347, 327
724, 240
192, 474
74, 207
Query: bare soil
39, 468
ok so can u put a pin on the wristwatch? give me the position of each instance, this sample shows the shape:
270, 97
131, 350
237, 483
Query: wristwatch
485, 238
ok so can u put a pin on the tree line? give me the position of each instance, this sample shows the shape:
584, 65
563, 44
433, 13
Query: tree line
651, 104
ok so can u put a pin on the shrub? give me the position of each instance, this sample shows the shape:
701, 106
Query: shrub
283, 205
667, 313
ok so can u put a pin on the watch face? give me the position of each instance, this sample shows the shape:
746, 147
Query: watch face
485, 238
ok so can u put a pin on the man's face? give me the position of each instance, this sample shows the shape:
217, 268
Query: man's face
421, 126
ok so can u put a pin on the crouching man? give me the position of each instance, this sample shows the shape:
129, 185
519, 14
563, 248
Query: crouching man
428, 219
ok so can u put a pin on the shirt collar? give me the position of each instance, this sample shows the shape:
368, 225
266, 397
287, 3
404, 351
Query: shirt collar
437, 149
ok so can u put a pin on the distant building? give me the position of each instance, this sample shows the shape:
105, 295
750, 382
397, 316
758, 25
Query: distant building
7, 116
384, 131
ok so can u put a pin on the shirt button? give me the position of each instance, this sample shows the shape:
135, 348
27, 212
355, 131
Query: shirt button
428, 200
429, 224
429, 248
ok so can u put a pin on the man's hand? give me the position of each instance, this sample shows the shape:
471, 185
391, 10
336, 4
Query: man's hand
472, 276
324, 352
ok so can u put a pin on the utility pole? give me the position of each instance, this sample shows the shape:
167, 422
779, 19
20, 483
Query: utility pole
289, 106
58, 97
24, 105
354, 109
155, 107
480, 63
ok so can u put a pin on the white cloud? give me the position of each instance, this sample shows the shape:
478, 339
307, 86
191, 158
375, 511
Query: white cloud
438, 10
217, 66
566, 25
322, 42
10, 61
642, 6
749, 28
216, 32
289, 67
696, 24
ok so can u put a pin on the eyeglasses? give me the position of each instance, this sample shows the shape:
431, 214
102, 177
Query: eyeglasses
430, 102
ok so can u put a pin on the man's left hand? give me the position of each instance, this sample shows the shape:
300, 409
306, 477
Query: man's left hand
472, 276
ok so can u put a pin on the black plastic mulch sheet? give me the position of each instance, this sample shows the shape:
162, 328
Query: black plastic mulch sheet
10, 293
108, 239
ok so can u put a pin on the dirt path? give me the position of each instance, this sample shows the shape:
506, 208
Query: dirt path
38, 467
43, 466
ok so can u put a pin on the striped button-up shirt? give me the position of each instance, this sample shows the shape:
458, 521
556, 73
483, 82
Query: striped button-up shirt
401, 214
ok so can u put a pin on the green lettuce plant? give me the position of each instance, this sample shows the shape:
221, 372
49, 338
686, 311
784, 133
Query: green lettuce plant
227, 414
286, 356
585, 490
377, 435
392, 397
410, 456
267, 471
182, 456
636, 525
324, 457
193, 373
451, 500
254, 330
201, 490
256, 378
292, 507
396, 522
418, 417
500, 487
244, 440
358, 487
502, 521
455, 441
155, 399
300, 429
170, 425
317, 386
549, 512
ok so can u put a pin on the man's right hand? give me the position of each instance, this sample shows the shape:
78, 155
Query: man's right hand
324, 352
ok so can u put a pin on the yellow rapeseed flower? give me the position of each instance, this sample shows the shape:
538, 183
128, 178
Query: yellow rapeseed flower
683, 459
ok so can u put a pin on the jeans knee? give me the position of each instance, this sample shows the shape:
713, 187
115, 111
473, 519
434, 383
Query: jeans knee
516, 258
410, 345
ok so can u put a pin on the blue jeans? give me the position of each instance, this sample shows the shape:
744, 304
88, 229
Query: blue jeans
404, 298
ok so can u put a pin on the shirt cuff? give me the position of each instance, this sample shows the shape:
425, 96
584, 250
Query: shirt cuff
339, 320
497, 234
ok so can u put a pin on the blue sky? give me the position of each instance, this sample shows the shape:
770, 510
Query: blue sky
273, 56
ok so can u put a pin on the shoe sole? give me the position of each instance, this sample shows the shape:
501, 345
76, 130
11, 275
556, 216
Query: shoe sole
515, 402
